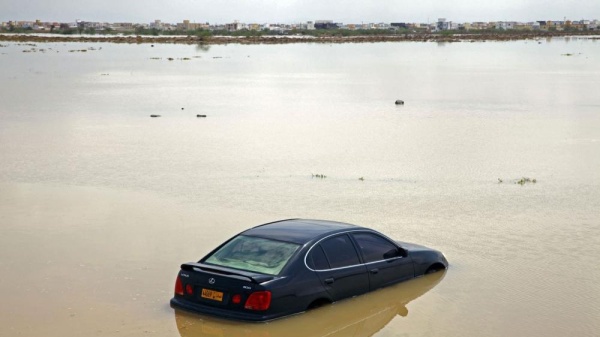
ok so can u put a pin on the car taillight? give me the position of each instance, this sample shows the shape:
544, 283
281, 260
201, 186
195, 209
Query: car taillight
260, 300
178, 286
189, 289
236, 299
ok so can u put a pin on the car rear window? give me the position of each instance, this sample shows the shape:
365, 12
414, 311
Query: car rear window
317, 259
254, 254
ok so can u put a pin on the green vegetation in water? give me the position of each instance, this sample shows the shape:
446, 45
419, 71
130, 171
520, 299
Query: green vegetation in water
525, 180
342, 32
522, 181
361, 178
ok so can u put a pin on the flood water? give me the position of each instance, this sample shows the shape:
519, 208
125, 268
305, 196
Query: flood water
100, 203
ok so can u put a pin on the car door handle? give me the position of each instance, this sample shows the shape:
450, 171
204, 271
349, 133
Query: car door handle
329, 280
374, 271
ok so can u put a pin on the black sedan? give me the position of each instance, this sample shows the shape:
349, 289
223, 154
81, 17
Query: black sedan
289, 266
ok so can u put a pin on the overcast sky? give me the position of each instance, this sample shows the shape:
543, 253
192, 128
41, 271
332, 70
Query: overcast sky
290, 11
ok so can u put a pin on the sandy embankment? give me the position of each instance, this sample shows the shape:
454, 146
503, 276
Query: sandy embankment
41, 38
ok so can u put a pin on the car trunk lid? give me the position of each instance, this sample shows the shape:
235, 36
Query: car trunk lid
219, 286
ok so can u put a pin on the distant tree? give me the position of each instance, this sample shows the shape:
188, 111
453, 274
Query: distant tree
139, 30
202, 33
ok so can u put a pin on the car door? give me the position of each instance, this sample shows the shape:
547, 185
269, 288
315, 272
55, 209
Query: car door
385, 261
346, 276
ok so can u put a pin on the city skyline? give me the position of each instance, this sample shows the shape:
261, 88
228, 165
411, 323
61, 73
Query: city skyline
355, 11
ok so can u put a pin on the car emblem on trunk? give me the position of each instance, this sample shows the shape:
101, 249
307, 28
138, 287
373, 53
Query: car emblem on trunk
211, 280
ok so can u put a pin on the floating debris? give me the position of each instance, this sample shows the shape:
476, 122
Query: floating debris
201, 116
154, 116
399, 102
525, 180
361, 178
320, 176
170, 59
522, 181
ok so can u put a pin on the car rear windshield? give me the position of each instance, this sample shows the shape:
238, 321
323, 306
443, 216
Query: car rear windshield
254, 254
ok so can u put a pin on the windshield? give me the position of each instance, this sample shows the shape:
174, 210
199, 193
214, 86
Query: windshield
254, 254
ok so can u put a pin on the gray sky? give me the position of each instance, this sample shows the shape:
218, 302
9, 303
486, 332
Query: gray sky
289, 11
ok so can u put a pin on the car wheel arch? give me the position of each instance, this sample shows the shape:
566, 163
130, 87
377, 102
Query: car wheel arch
435, 267
319, 302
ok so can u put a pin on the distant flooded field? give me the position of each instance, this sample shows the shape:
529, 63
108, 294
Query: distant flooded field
493, 159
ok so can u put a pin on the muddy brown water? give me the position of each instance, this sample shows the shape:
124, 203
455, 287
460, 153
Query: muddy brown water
99, 203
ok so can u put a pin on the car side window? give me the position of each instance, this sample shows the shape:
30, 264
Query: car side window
340, 251
316, 259
375, 247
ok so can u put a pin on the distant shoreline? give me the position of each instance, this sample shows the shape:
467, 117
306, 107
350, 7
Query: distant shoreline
286, 39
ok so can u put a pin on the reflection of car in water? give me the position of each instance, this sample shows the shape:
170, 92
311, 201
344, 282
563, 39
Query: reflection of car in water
286, 267
358, 316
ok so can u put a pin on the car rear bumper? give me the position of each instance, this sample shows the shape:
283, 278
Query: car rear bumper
177, 303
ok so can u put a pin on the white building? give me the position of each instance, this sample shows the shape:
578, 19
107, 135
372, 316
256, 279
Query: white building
504, 25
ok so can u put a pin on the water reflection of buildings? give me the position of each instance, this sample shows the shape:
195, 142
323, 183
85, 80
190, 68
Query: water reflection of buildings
360, 316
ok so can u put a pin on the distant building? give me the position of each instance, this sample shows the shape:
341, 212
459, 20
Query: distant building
231, 27
442, 24
523, 26
541, 25
309, 25
157, 24
255, 26
503, 25
399, 25
325, 24
187, 25
122, 26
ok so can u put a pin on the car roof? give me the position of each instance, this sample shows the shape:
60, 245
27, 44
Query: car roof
298, 231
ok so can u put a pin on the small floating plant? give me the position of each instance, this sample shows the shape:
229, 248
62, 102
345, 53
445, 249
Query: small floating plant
522, 181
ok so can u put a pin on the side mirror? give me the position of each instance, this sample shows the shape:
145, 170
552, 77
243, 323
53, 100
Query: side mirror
402, 252
394, 253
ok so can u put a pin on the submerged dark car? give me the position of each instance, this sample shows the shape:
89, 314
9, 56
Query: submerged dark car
289, 266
